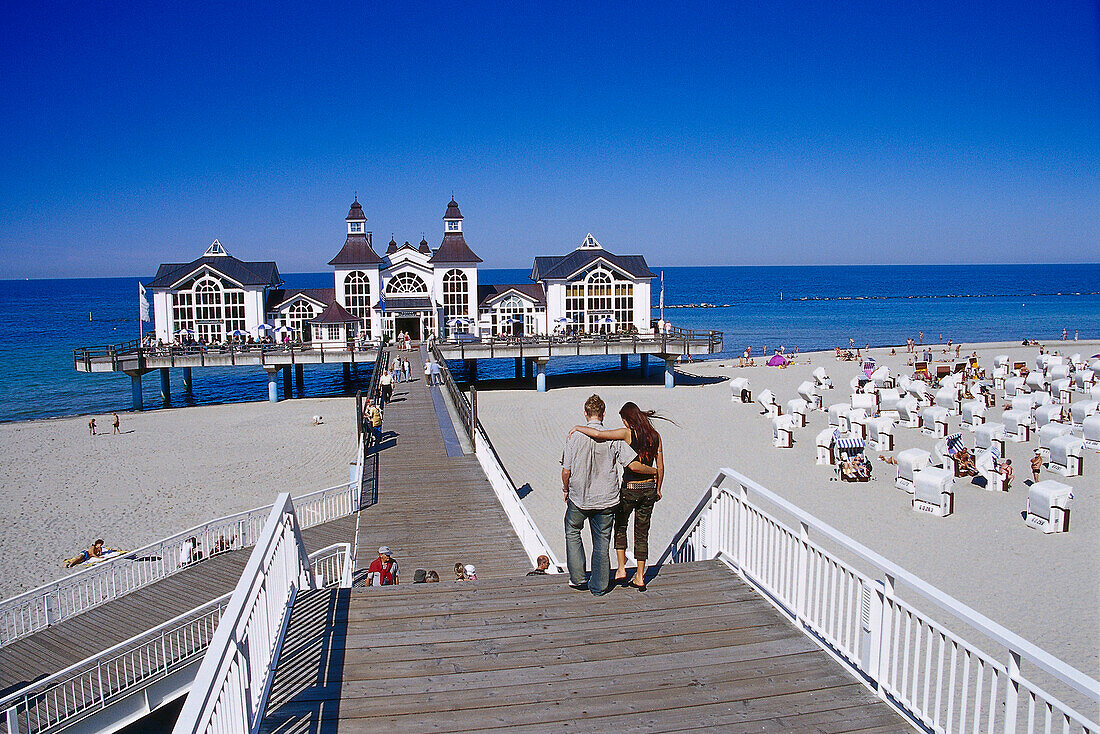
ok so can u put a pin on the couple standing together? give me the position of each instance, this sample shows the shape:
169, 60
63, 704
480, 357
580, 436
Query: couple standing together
593, 492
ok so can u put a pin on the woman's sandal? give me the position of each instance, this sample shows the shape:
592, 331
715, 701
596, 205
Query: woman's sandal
639, 587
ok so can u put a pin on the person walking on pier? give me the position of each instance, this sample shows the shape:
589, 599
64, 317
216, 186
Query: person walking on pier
590, 490
385, 383
641, 487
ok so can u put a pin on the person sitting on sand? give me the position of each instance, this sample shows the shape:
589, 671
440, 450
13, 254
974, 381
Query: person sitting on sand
95, 550
460, 571
964, 463
887, 459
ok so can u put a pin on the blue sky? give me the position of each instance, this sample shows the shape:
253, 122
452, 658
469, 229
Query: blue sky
735, 134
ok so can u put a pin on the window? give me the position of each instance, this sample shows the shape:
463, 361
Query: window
208, 300
355, 227
574, 302
234, 311
297, 317
406, 283
456, 294
357, 298
599, 299
515, 310
624, 304
333, 334
183, 315
452, 226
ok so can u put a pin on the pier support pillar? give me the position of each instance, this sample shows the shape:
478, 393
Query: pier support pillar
187, 384
347, 371
135, 390
644, 369
622, 362
165, 385
519, 367
288, 391
670, 372
540, 375
471, 370
529, 367
272, 386
299, 378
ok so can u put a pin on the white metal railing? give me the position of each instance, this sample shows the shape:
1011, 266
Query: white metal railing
231, 686
529, 534
92, 685
39, 608
938, 680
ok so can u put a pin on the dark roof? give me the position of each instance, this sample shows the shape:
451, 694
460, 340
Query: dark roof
392, 247
257, 273
406, 303
424, 247
356, 212
279, 296
564, 266
452, 210
334, 314
357, 250
454, 250
486, 293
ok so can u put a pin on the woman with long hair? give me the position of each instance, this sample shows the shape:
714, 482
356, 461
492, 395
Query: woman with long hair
641, 487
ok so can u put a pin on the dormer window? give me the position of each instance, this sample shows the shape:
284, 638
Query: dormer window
355, 227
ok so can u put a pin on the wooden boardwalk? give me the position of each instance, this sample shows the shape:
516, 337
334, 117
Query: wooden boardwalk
699, 650
57, 647
433, 510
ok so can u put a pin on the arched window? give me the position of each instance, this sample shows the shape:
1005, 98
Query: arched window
357, 294
298, 315
208, 310
513, 316
406, 283
456, 294
599, 299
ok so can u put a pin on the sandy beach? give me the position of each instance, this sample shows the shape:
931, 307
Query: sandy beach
169, 470
1044, 587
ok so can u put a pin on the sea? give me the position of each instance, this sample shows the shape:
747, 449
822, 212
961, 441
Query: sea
809, 308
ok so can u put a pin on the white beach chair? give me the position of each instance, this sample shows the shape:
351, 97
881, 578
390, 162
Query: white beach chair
882, 377
880, 433
822, 379
1048, 433
1075, 362
857, 419
933, 493
1036, 381
739, 390
909, 412
948, 398
1067, 456
902, 384
1081, 410
783, 431
910, 462
1048, 506
1090, 432
973, 414
826, 445
1014, 386
888, 398
934, 420
1083, 379
1000, 371
838, 417
797, 409
990, 435
769, 403
1061, 391
810, 394
985, 461
1045, 414
866, 401
919, 390
1057, 372
1017, 425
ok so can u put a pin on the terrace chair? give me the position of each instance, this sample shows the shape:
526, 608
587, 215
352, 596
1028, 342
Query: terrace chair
944, 451
986, 462
1081, 410
909, 412
797, 409
933, 491
948, 398
1014, 386
1061, 391
1090, 432
826, 446
910, 462
1048, 506
990, 435
1000, 371
888, 398
783, 431
1018, 420
882, 378
934, 420
809, 393
769, 403
822, 379
1048, 433
880, 433
1036, 381
739, 390
973, 414
919, 390
857, 419
848, 448
839, 417
1067, 455
1045, 414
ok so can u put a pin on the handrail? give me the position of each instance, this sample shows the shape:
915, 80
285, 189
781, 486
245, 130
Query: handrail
532, 539
34, 610
231, 686
91, 685
133, 348
863, 621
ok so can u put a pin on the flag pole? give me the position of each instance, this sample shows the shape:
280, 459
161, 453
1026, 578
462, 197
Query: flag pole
662, 295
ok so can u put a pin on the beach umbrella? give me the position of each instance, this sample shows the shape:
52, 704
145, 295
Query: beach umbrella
186, 332
238, 332
565, 320
778, 360
510, 320
284, 329
458, 321
605, 320
265, 327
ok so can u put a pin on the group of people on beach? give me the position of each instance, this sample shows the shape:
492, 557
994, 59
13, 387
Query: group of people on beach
115, 425
593, 492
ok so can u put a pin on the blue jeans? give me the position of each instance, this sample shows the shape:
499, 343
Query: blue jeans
600, 523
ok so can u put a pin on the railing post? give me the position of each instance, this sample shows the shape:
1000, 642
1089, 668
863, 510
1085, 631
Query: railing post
803, 571
742, 528
875, 638
473, 412
1012, 691
12, 716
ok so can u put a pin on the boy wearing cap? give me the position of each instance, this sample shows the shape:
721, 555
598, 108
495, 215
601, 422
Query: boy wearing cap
383, 570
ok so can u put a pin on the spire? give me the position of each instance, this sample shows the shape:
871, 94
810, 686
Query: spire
356, 219
215, 250
424, 246
357, 249
453, 248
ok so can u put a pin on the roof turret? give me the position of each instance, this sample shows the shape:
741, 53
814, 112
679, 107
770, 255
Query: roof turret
452, 210
424, 246
355, 214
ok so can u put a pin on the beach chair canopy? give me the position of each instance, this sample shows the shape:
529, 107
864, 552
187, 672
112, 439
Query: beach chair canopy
954, 443
850, 444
